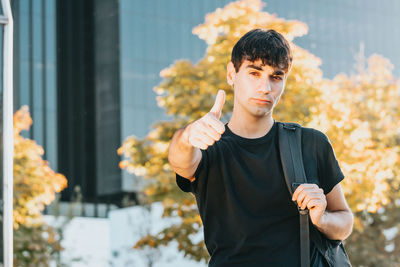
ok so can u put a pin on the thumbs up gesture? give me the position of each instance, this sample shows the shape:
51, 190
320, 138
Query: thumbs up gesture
216, 110
203, 132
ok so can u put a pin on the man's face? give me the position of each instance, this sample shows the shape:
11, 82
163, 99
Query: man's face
257, 87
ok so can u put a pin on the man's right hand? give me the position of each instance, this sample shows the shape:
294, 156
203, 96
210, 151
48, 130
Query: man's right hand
203, 132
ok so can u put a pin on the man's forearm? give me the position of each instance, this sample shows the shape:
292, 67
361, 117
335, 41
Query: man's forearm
336, 225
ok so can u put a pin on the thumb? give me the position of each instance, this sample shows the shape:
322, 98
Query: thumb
219, 103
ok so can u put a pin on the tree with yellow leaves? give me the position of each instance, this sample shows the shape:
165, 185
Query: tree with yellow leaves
361, 115
35, 185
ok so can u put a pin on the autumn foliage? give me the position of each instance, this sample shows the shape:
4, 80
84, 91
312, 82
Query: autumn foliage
35, 185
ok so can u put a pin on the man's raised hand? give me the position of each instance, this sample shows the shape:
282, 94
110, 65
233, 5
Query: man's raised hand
203, 132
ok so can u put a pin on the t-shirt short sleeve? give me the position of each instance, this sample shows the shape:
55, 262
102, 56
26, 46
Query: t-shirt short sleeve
188, 186
329, 172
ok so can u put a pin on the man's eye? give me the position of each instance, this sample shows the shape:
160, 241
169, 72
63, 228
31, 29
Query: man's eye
255, 73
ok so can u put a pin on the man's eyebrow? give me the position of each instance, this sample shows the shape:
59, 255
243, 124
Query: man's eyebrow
276, 72
254, 67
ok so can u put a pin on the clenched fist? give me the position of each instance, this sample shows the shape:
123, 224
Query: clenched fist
312, 197
208, 129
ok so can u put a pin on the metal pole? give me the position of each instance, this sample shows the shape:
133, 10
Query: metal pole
8, 141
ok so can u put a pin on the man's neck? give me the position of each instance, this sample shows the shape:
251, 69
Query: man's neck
250, 127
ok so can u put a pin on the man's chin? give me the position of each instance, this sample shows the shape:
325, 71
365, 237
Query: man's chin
261, 113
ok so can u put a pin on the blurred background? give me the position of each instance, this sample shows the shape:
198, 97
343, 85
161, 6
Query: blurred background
100, 86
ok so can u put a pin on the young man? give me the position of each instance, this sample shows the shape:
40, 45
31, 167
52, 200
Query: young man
235, 172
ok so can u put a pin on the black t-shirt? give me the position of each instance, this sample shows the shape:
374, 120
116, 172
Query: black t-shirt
246, 209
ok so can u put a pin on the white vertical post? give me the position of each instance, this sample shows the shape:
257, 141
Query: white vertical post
8, 142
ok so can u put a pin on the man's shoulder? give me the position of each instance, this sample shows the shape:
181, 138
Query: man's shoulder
308, 132
289, 124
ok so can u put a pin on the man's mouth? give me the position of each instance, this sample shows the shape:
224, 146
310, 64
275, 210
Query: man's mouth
261, 101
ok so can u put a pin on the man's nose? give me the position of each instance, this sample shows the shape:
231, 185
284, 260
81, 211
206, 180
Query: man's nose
264, 87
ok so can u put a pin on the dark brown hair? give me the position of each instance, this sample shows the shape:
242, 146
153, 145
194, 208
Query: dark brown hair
268, 46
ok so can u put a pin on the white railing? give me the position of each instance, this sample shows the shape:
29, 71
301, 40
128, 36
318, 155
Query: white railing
6, 21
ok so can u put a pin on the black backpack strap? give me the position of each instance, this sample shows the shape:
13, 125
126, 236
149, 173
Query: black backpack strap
293, 169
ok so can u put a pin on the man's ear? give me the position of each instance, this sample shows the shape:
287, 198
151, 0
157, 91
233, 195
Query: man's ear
230, 73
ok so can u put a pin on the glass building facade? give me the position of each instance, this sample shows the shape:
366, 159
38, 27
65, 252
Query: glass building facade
86, 69
35, 70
